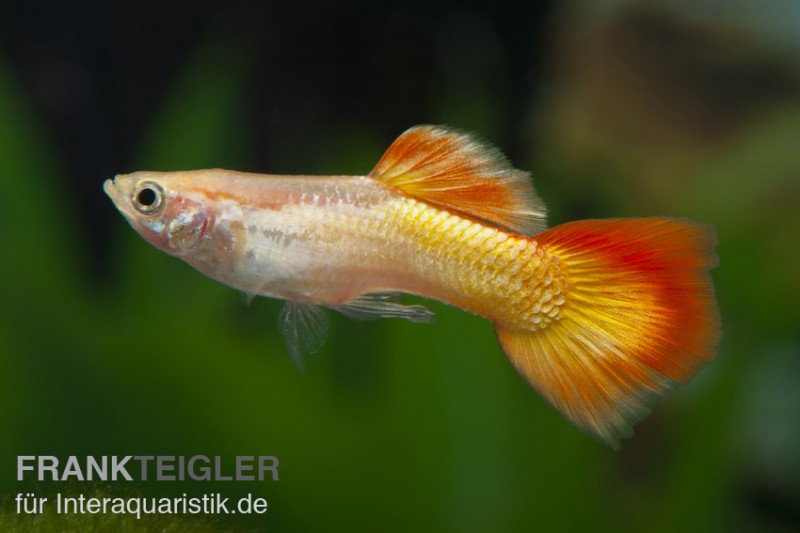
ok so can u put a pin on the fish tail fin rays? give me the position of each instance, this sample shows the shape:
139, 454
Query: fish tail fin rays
455, 171
640, 318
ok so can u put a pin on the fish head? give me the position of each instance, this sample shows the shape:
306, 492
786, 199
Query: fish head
162, 209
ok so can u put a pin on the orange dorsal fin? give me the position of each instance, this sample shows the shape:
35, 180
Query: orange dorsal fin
639, 318
457, 172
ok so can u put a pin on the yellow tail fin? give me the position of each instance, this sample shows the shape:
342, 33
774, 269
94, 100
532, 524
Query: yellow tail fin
639, 318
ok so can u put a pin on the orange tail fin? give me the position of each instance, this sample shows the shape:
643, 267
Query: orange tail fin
639, 318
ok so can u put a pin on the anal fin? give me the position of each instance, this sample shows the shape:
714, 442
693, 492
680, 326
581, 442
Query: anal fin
383, 305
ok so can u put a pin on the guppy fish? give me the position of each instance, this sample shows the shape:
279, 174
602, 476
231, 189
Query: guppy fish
601, 317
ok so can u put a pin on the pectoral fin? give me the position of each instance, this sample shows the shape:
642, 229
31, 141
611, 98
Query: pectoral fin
304, 328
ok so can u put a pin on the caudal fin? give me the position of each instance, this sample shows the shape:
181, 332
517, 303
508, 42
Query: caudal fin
639, 318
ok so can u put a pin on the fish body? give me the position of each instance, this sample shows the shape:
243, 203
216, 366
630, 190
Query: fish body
327, 240
601, 317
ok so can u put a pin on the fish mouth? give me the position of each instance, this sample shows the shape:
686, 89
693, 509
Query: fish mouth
110, 188
115, 190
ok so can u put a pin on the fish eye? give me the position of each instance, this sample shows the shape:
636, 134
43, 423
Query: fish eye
148, 197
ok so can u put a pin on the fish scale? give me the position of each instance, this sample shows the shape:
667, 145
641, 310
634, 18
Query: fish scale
458, 261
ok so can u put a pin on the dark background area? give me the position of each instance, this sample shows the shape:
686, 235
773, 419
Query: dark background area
627, 108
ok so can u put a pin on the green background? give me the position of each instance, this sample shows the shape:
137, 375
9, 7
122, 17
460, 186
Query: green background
110, 347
